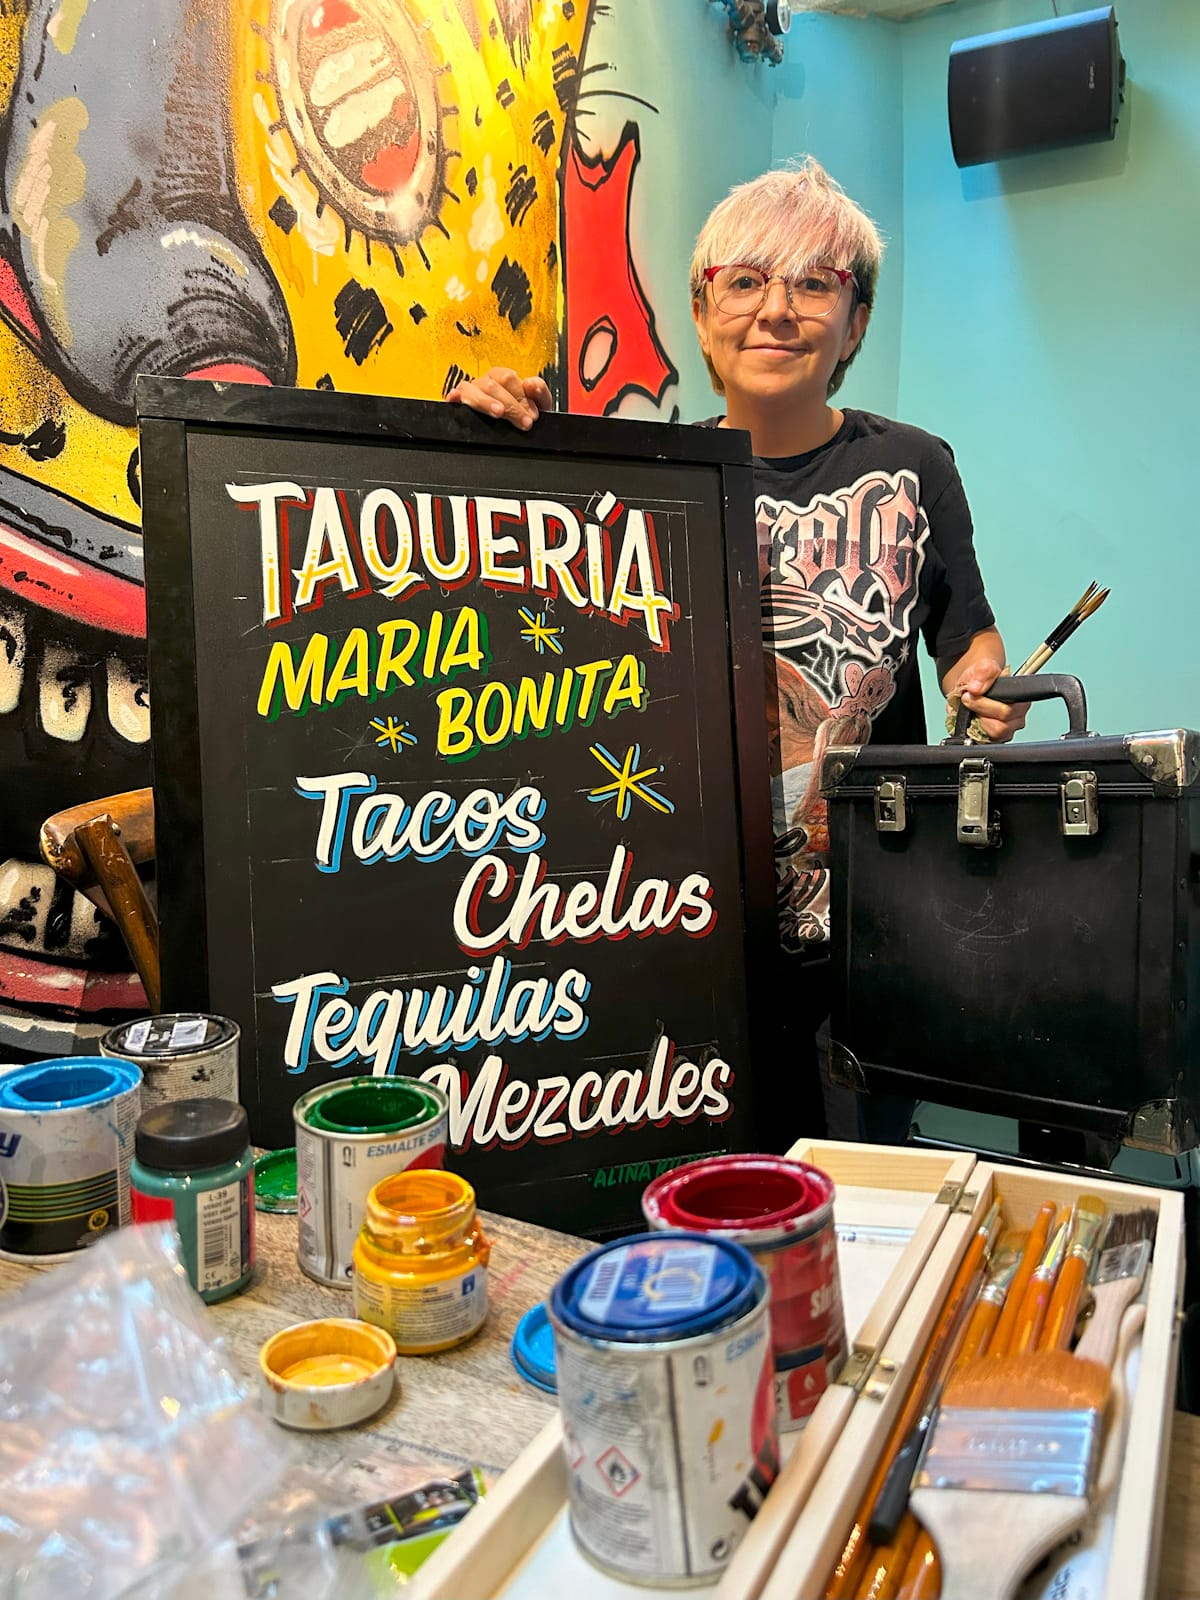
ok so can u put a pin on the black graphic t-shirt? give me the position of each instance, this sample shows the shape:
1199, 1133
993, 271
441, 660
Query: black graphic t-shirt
862, 544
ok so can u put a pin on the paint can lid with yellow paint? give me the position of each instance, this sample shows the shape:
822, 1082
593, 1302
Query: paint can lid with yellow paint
330, 1373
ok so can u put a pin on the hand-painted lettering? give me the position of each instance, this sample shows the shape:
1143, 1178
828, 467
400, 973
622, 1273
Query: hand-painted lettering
398, 544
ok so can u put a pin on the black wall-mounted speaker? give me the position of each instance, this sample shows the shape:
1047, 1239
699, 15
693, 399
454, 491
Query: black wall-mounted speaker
1049, 83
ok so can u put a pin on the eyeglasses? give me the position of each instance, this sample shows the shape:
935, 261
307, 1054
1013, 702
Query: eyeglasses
740, 290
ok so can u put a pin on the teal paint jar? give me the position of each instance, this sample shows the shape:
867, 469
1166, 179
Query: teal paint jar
193, 1166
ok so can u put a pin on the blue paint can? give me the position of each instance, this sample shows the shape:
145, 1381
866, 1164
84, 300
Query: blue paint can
66, 1144
665, 1378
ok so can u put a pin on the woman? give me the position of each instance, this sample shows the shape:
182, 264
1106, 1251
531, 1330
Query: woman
864, 537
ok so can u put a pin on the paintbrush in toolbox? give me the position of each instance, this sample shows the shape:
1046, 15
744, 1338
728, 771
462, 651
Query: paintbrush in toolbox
892, 1501
1107, 1339
1035, 1244
1059, 1326
1117, 1279
893, 1529
903, 1551
1117, 1276
922, 1576
1035, 1302
1008, 1465
949, 1323
881, 1558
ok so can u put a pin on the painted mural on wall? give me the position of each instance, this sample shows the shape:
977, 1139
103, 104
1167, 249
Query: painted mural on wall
376, 195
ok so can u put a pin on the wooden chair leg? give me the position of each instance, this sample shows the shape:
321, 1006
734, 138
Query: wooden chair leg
105, 852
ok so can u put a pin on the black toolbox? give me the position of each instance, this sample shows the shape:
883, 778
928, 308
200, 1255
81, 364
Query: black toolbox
1013, 926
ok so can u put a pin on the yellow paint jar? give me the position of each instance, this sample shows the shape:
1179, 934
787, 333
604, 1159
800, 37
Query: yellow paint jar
420, 1261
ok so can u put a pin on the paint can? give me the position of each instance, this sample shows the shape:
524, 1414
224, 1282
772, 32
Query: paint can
662, 1350
349, 1136
184, 1055
193, 1166
420, 1264
782, 1211
66, 1143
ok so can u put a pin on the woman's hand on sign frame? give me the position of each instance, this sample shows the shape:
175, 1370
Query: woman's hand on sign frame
503, 394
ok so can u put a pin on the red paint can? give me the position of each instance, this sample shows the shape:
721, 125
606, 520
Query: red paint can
782, 1211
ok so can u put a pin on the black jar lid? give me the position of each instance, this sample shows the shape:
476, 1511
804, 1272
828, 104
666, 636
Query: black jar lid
181, 1135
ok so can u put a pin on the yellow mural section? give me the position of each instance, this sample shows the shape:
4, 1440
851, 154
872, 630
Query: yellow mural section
486, 125
403, 187
94, 463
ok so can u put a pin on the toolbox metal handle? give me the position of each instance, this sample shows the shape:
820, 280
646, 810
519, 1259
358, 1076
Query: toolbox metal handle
1033, 686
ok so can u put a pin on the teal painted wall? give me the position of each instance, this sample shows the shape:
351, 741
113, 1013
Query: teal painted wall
1051, 331
1040, 313
839, 97
719, 121
706, 127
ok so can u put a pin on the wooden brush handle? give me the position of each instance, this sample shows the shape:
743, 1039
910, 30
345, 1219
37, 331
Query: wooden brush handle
1034, 1305
1099, 1342
988, 1541
887, 1564
1030, 1256
1064, 1306
923, 1574
982, 1326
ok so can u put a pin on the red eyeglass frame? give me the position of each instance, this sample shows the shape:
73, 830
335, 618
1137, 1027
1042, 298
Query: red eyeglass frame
842, 274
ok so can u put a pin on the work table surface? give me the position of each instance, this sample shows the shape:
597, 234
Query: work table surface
462, 1407
468, 1406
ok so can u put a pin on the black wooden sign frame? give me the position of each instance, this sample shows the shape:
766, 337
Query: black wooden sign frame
226, 900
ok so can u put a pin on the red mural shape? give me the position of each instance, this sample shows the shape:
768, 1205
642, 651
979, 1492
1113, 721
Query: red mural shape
611, 344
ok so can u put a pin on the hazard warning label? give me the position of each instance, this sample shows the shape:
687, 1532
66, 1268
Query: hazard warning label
619, 1473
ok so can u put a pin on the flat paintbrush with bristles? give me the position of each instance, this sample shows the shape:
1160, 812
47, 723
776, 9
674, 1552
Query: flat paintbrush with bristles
1116, 1280
1011, 1459
1008, 1465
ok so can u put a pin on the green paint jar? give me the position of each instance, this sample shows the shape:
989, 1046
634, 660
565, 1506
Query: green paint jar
193, 1166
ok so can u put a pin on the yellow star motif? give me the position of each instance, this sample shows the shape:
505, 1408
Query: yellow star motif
540, 635
393, 733
628, 782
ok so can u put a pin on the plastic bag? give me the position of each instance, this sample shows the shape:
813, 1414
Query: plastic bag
130, 1452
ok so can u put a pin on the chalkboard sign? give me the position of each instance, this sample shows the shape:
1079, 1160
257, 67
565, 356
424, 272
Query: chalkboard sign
460, 772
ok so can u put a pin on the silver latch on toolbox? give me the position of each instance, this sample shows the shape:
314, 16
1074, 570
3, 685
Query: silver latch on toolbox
1079, 813
891, 815
976, 824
